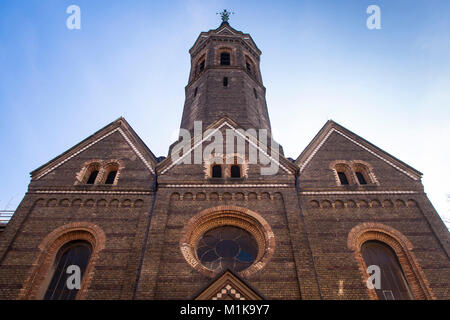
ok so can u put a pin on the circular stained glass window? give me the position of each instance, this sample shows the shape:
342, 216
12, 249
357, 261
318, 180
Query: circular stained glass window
227, 247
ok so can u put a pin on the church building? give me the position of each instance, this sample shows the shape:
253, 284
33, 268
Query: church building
107, 219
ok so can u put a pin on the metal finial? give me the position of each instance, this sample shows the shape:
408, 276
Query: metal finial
225, 15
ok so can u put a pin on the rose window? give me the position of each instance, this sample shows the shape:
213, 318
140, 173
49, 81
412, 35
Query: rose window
227, 247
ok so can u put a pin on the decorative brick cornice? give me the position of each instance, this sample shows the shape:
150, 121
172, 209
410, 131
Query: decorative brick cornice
89, 192
276, 185
317, 193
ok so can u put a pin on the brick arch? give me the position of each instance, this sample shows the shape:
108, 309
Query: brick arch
225, 49
402, 247
48, 249
228, 215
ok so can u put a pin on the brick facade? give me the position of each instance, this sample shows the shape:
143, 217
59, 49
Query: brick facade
143, 227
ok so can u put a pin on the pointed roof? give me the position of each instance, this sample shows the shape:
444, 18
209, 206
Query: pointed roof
120, 125
332, 127
228, 286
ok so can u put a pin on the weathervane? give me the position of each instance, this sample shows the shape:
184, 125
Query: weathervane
225, 15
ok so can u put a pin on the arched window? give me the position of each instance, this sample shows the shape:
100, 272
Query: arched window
343, 178
93, 175
225, 59
110, 173
235, 171
344, 174
74, 253
361, 178
363, 173
394, 285
111, 177
216, 171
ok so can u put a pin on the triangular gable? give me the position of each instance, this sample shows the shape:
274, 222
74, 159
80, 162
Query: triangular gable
226, 122
121, 126
225, 29
332, 127
228, 286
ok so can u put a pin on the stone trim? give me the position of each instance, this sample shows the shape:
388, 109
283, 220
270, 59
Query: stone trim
228, 290
414, 177
225, 186
49, 247
228, 285
227, 215
402, 247
225, 28
147, 164
88, 192
310, 193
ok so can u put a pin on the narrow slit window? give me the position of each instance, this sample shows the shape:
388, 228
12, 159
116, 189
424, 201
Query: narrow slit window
249, 67
255, 93
216, 171
224, 59
343, 178
235, 171
361, 178
225, 81
92, 177
111, 177
195, 92
201, 66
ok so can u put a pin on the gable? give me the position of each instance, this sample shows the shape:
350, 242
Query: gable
115, 142
228, 286
225, 31
181, 164
334, 143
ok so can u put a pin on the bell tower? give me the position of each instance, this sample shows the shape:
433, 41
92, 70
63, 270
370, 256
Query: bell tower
225, 80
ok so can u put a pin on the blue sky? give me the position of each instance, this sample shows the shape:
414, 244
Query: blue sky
319, 62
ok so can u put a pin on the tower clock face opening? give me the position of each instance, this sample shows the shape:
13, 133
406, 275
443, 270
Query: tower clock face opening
227, 247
